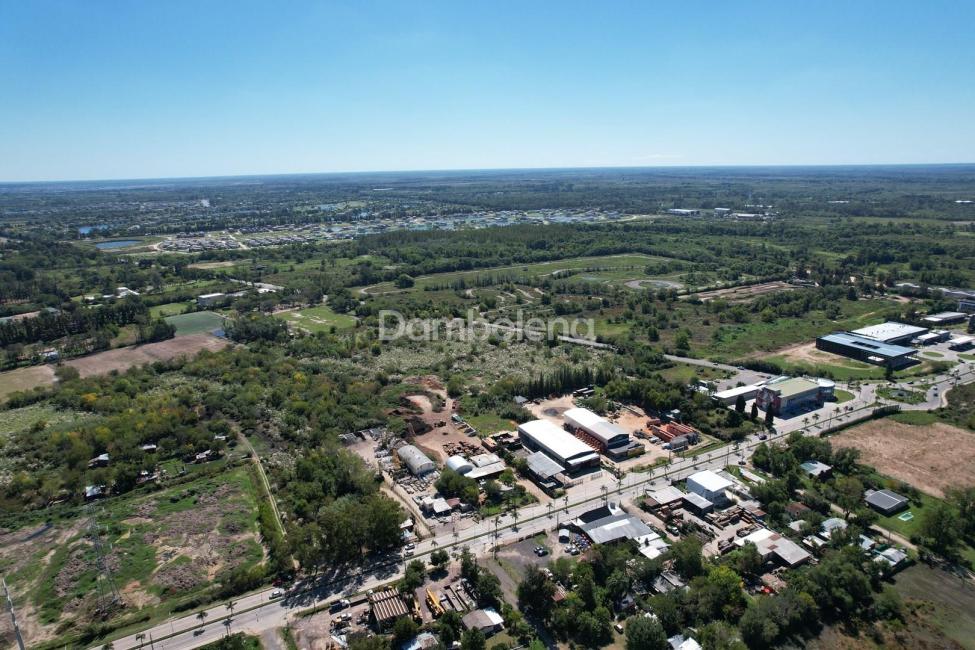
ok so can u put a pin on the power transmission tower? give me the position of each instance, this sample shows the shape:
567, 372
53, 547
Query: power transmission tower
107, 587
13, 616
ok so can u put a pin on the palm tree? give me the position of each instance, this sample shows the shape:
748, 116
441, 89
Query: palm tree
230, 606
202, 616
141, 638
549, 506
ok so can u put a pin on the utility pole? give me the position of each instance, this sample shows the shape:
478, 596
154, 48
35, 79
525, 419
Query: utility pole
13, 616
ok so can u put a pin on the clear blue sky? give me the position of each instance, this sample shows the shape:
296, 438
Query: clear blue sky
93, 89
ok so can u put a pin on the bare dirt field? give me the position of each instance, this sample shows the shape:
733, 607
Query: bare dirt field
808, 353
552, 409
124, 358
733, 294
931, 457
120, 359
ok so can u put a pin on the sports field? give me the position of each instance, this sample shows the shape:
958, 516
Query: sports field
199, 322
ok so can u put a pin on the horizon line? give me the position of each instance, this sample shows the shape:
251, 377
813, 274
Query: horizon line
487, 169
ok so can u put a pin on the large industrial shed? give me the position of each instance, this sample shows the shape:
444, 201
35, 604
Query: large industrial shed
891, 332
868, 350
606, 433
709, 485
558, 444
415, 460
612, 439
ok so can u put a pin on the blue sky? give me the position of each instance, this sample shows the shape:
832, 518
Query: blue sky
93, 89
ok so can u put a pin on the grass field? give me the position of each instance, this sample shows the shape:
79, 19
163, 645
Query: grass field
318, 319
842, 396
25, 379
199, 322
169, 309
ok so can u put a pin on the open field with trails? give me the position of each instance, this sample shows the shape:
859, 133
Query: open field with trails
931, 458
613, 269
317, 319
163, 548
745, 293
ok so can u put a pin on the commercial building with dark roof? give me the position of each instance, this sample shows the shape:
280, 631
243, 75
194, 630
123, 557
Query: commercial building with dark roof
886, 502
866, 349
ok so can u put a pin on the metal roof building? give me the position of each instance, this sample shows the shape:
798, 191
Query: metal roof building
886, 502
415, 460
604, 431
561, 446
770, 543
542, 466
866, 349
616, 527
459, 464
891, 332
708, 485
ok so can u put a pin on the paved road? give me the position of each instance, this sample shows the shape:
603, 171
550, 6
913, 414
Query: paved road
259, 612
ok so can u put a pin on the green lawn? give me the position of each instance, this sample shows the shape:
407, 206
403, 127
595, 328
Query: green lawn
318, 319
842, 396
488, 423
196, 323
169, 309
907, 528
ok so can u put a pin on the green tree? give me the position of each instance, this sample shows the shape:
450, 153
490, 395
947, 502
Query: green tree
472, 640
940, 528
687, 557
439, 559
645, 633
740, 404
404, 629
535, 594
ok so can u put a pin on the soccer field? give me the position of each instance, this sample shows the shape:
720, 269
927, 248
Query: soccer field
199, 322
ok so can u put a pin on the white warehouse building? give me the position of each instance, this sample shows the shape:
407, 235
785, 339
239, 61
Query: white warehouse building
709, 485
561, 446
415, 460
459, 464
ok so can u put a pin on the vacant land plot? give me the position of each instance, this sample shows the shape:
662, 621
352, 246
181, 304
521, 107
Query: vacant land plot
196, 323
25, 379
162, 548
120, 359
931, 458
610, 268
318, 319
739, 294
125, 358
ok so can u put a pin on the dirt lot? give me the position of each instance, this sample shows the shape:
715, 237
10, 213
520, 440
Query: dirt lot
120, 359
931, 457
125, 358
733, 294
807, 353
552, 409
